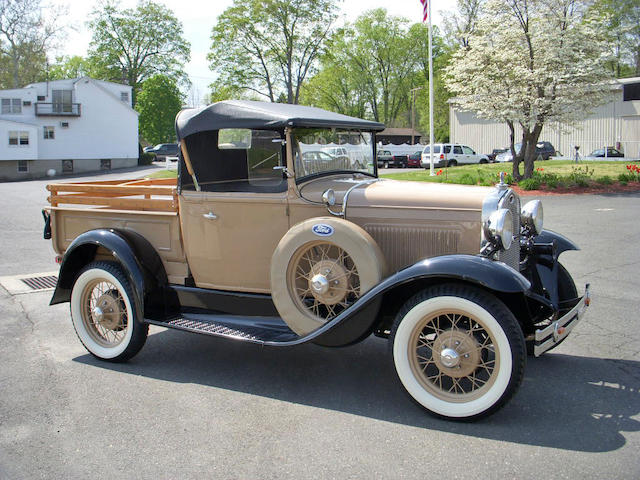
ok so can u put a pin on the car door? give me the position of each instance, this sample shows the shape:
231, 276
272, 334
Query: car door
469, 156
456, 154
233, 225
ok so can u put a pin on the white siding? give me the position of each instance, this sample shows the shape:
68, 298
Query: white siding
614, 124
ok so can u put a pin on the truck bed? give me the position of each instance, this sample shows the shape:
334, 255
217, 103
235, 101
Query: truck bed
147, 206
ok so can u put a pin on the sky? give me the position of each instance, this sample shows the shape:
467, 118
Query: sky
199, 16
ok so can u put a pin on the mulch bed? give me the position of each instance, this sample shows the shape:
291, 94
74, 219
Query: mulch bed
595, 188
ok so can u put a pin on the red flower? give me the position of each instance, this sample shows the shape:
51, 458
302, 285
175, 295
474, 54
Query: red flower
439, 172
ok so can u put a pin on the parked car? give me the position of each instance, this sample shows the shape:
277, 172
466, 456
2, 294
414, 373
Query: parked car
495, 152
246, 245
163, 150
611, 152
413, 160
450, 155
544, 150
400, 160
384, 158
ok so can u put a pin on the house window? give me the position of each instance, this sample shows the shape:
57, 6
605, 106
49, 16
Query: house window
124, 96
49, 133
23, 166
105, 164
67, 166
630, 92
11, 105
61, 100
41, 98
17, 138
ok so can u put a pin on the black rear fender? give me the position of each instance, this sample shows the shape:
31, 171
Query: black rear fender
140, 261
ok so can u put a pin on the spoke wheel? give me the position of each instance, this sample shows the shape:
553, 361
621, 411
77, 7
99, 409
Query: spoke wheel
453, 356
323, 280
458, 351
103, 313
314, 278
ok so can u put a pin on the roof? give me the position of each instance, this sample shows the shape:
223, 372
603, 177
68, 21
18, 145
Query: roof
263, 115
400, 131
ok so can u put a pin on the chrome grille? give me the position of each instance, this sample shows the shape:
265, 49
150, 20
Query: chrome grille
511, 257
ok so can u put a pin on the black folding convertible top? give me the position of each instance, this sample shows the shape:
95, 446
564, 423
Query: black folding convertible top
263, 115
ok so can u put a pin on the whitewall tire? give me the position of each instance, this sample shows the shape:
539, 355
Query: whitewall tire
104, 315
458, 351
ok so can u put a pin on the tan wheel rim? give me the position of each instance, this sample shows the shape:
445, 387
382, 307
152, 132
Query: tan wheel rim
104, 313
453, 356
323, 280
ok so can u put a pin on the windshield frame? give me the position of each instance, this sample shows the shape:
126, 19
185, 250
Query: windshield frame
296, 150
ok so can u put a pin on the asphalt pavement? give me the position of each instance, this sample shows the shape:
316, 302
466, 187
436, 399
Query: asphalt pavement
191, 406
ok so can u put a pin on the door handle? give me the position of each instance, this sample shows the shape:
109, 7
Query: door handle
210, 216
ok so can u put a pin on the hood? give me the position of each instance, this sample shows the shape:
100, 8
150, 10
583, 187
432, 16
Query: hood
411, 221
419, 195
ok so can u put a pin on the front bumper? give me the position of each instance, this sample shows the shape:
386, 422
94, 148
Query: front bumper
550, 336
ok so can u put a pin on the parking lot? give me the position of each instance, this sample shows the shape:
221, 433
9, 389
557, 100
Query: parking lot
191, 406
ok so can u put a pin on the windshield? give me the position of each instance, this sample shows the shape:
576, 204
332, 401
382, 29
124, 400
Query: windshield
317, 151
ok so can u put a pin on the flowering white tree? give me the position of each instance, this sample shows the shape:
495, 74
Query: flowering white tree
531, 62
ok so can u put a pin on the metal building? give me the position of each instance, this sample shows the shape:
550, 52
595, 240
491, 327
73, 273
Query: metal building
616, 123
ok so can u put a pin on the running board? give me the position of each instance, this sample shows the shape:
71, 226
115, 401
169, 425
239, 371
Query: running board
261, 330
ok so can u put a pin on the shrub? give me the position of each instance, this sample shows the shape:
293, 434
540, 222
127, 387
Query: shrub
146, 159
532, 183
580, 176
467, 179
606, 180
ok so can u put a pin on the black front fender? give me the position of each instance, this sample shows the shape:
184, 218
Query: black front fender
362, 317
562, 243
141, 264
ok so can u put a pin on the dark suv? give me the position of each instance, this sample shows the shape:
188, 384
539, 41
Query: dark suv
164, 150
544, 150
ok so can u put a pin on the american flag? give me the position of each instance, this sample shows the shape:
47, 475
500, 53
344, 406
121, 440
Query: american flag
425, 9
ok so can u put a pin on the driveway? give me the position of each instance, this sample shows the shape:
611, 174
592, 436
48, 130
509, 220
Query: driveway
190, 406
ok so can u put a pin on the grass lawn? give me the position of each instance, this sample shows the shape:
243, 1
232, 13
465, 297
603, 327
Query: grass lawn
550, 172
164, 174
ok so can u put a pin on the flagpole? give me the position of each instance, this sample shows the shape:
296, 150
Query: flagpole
430, 95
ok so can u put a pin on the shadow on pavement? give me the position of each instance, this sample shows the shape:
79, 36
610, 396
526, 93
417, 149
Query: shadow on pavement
566, 402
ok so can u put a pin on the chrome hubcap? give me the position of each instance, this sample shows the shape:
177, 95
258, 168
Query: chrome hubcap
449, 358
320, 284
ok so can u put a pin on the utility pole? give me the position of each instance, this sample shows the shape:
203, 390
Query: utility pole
413, 111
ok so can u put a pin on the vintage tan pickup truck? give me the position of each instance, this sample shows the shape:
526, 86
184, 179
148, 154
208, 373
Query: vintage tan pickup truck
269, 237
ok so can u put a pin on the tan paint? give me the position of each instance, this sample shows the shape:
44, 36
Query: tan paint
233, 250
161, 229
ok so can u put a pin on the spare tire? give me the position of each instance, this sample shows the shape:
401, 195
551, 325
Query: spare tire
321, 267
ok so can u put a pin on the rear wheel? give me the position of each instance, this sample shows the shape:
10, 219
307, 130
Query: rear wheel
458, 351
104, 315
452, 163
385, 165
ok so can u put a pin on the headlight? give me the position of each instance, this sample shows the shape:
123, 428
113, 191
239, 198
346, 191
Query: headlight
532, 215
498, 228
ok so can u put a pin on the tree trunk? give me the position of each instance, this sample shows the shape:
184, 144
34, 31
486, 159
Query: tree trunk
529, 141
515, 171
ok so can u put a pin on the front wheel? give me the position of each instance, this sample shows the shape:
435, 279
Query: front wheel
458, 351
104, 315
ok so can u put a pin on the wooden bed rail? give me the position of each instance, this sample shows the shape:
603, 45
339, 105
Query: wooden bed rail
159, 195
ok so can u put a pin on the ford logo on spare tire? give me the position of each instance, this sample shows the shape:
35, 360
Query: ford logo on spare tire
322, 230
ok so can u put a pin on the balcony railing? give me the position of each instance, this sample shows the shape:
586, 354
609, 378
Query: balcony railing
57, 109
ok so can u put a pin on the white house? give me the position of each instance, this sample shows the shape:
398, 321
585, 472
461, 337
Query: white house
69, 126
615, 124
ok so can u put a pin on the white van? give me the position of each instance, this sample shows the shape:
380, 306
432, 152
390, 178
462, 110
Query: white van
450, 155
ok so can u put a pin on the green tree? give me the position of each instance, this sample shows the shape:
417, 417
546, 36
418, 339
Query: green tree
269, 47
159, 101
532, 62
622, 32
132, 45
70, 67
25, 37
